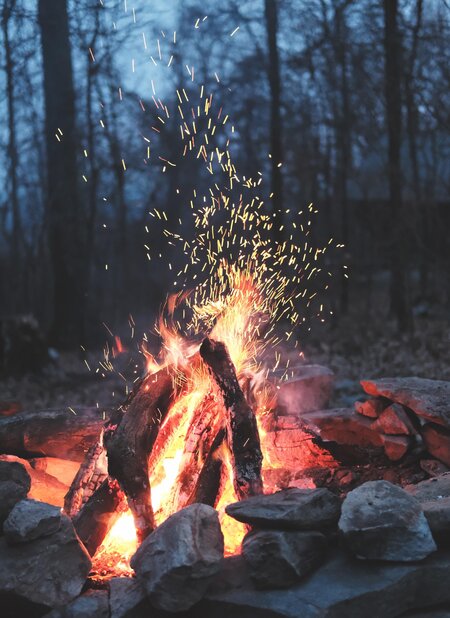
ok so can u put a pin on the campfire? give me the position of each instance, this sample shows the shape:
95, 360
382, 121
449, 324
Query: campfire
192, 430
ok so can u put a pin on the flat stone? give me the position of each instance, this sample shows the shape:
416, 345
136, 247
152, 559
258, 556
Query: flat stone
344, 426
310, 388
50, 571
437, 441
63, 470
176, 563
51, 433
44, 486
395, 421
371, 408
294, 449
434, 497
31, 520
342, 588
429, 399
380, 521
92, 604
290, 509
396, 447
278, 559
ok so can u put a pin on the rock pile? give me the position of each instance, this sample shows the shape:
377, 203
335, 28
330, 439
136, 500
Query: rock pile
403, 417
377, 550
288, 538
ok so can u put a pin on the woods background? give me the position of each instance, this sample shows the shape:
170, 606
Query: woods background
353, 96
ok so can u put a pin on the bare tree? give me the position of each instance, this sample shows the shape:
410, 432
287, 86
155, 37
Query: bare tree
394, 122
63, 205
271, 14
6, 18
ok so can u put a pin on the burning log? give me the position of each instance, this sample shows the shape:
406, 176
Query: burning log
201, 442
89, 477
209, 479
99, 514
242, 430
129, 443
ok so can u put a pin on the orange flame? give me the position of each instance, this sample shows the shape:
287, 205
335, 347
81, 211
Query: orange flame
235, 312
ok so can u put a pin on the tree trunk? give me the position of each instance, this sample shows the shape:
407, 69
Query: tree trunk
271, 14
6, 15
398, 244
63, 206
343, 131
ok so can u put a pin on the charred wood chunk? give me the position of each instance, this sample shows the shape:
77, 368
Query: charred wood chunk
242, 430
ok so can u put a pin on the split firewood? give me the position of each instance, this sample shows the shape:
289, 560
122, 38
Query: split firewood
129, 443
208, 483
99, 514
242, 430
90, 475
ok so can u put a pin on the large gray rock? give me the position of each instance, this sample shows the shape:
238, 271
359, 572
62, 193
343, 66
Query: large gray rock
342, 588
290, 509
30, 520
92, 604
278, 559
380, 521
176, 563
310, 388
15, 484
434, 497
50, 571
429, 399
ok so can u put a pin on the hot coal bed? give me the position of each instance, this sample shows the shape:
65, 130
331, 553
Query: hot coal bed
246, 497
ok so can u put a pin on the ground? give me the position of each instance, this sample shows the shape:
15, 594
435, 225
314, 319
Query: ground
354, 349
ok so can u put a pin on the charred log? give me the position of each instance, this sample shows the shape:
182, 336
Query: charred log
209, 479
129, 443
242, 430
99, 514
90, 475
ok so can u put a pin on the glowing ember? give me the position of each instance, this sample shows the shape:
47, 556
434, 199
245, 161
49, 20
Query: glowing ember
114, 554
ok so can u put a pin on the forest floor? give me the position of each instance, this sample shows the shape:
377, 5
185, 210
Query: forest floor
353, 349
